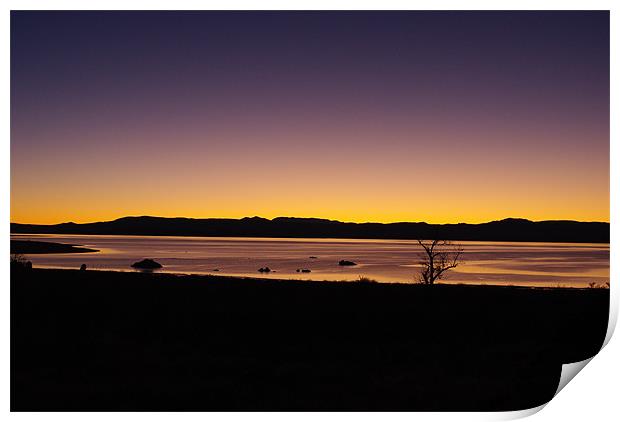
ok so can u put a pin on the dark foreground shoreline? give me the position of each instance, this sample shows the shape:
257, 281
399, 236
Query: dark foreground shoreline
99, 340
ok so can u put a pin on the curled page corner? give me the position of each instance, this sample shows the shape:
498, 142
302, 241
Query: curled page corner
613, 314
569, 370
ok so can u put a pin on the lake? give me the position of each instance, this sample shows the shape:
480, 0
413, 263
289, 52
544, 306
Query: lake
516, 263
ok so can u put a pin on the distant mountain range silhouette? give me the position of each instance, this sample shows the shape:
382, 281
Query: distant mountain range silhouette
510, 229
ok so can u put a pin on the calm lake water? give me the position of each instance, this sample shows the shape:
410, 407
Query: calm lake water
517, 263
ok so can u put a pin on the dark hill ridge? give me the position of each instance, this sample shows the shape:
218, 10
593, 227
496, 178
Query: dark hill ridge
510, 229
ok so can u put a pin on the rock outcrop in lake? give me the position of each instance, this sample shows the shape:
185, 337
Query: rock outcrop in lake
146, 264
344, 262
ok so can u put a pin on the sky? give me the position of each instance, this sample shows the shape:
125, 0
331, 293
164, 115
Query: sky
442, 117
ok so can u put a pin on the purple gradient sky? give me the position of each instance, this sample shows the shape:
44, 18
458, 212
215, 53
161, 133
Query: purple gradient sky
357, 116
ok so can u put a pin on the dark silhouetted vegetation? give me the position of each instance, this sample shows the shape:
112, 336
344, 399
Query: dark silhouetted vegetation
595, 285
20, 262
438, 257
362, 279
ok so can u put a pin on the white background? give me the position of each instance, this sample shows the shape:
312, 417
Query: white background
594, 394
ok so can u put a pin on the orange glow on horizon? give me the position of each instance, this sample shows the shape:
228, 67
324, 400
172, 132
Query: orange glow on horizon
470, 191
359, 211
366, 185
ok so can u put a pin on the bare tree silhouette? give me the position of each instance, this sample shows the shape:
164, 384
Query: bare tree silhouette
439, 256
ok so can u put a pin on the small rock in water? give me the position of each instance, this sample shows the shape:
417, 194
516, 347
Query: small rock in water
83, 267
146, 264
215, 269
264, 270
346, 263
313, 257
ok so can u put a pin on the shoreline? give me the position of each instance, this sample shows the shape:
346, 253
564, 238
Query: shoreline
231, 277
36, 247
